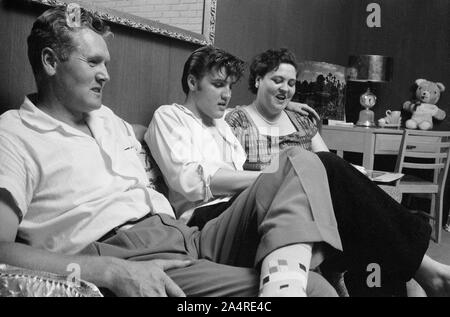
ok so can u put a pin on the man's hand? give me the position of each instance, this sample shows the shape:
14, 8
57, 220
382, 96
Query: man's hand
303, 109
147, 279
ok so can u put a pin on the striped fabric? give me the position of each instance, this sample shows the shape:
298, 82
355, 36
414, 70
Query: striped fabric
260, 148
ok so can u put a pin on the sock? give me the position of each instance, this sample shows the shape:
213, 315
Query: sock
284, 272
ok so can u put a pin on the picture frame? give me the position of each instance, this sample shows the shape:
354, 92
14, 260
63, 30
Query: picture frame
322, 86
206, 37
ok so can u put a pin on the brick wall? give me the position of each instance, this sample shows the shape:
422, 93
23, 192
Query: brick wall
185, 14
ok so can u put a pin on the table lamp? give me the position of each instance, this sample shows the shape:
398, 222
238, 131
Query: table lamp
370, 69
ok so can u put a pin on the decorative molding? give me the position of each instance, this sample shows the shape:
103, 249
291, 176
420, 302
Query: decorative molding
129, 20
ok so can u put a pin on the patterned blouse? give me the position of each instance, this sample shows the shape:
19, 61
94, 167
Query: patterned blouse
259, 147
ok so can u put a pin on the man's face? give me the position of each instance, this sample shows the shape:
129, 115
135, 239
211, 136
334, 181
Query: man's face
80, 79
213, 93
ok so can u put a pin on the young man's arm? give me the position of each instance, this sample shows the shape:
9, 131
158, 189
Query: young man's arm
303, 109
123, 278
175, 148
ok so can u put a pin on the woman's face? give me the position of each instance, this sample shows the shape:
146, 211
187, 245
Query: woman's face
276, 88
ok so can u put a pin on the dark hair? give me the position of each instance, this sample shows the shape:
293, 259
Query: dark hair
205, 59
267, 62
51, 30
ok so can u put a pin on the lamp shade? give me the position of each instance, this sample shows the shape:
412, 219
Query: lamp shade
374, 68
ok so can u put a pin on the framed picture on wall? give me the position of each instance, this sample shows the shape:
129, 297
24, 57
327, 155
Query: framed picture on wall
322, 86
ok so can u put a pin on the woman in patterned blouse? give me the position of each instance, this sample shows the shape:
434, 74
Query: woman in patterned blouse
266, 127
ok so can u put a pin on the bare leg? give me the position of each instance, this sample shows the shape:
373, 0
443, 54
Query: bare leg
434, 277
413, 289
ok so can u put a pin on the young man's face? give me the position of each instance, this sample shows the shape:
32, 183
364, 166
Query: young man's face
80, 80
213, 93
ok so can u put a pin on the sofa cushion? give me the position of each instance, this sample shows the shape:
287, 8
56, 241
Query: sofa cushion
19, 282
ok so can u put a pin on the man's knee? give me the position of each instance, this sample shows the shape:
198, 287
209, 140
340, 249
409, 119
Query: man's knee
329, 159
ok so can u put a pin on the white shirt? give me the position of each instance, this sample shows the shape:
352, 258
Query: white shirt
188, 154
72, 188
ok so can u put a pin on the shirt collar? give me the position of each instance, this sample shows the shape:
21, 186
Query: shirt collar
41, 121
221, 124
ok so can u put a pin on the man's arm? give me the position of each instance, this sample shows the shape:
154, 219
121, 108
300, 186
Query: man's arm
177, 154
303, 109
123, 278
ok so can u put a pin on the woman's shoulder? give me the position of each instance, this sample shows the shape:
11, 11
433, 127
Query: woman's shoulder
303, 122
300, 118
237, 117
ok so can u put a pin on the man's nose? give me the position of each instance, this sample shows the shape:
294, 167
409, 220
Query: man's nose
226, 94
103, 74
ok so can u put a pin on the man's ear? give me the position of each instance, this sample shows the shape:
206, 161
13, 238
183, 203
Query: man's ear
192, 82
49, 61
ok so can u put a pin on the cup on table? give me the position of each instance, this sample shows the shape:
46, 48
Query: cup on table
393, 117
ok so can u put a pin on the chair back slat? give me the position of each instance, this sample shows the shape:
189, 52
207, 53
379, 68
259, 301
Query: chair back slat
426, 144
421, 166
429, 155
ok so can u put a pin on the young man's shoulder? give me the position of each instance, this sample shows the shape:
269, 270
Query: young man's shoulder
169, 109
172, 113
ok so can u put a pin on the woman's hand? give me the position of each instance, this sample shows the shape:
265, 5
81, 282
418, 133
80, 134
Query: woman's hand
146, 278
303, 109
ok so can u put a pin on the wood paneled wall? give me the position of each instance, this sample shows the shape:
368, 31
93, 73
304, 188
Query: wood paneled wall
416, 33
312, 29
145, 69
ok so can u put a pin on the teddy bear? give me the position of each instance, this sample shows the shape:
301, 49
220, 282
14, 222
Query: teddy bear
424, 107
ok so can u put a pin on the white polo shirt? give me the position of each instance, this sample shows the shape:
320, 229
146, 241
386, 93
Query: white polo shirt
188, 154
72, 188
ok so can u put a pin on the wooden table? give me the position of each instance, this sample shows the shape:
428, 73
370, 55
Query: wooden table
368, 141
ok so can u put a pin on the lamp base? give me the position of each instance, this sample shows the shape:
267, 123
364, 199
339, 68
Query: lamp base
366, 118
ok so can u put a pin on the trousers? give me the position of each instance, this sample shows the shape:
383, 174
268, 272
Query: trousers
376, 232
280, 208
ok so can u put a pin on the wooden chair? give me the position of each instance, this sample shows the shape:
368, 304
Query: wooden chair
425, 150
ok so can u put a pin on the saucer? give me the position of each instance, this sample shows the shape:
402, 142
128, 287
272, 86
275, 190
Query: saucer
390, 125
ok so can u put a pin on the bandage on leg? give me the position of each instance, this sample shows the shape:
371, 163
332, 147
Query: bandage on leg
284, 272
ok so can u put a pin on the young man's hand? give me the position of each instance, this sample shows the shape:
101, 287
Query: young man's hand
146, 278
303, 109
